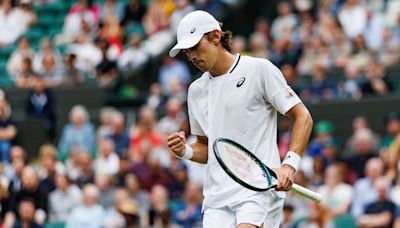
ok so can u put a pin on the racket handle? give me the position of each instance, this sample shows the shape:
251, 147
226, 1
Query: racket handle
316, 197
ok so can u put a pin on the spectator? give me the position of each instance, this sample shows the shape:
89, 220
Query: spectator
317, 216
15, 62
79, 133
64, 198
15, 21
106, 70
90, 213
392, 125
239, 45
173, 69
111, 8
134, 12
323, 133
19, 160
29, 189
119, 134
187, 212
134, 56
82, 12
363, 151
377, 83
106, 117
159, 213
132, 185
258, 46
173, 119
351, 85
336, 195
144, 136
353, 18
72, 75
104, 183
85, 169
40, 104
111, 32
156, 100
129, 211
379, 213
114, 216
364, 191
26, 214
8, 129
285, 21
183, 7
388, 54
48, 167
107, 160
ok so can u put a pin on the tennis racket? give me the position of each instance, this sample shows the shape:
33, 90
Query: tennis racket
249, 171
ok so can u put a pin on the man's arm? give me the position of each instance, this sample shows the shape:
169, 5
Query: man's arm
302, 127
177, 144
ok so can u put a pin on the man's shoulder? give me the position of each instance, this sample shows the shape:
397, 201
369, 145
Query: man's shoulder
199, 83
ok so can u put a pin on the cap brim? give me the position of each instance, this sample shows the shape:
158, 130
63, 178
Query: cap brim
184, 44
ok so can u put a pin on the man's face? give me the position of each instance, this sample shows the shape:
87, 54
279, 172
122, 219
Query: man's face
204, 54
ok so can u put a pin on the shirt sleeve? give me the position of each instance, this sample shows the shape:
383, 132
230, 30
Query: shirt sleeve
276, 90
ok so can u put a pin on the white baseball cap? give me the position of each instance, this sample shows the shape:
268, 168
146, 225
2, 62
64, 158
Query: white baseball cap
192, 28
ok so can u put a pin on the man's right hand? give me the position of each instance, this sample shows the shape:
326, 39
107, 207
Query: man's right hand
176, 143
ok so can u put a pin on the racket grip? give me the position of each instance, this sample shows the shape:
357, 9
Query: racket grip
316, 197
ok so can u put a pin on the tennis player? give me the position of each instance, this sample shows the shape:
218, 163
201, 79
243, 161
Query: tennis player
238, 98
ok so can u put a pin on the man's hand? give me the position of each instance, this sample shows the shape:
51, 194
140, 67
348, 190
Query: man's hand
285, 176
176, 143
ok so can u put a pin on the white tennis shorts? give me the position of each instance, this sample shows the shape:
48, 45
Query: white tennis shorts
248, 211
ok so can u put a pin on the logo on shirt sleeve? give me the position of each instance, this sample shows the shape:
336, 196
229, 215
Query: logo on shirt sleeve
240, 82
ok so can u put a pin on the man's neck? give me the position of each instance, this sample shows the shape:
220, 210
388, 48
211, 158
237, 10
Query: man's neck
224, 63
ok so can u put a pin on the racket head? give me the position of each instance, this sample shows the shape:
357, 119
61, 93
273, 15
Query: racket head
243, 166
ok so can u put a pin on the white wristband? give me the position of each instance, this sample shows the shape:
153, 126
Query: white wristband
188, 152
292, 159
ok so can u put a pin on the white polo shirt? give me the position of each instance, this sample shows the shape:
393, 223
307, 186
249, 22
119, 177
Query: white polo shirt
240, 105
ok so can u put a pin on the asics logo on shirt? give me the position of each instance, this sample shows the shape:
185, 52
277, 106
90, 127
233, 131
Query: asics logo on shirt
240, 82
193, 30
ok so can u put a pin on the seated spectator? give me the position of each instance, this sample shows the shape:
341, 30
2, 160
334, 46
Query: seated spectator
160, 214
156, 16
352, 83
90, 213
144, 136
379, 213
134, 56
187, 212
83, 11
114, 217
377, 83
353, 18
26, 214
392, 126
119, 134
16, 65
111, 8
64, 198
183, 7
322, 86
317, 216
173, 69
388, 54
19, 160
132, 186
29, 189
85, 169
40, 103
286, 20
8, 129
15, 21
106, 70
72, 75
156, 99
173, 119
178, 178
336, 195
363, 151
133, 13
107, 160
323, 134
88, 55
258, 46
79, 133
48, 167
106, 117
104, 183
129, 211
364, 191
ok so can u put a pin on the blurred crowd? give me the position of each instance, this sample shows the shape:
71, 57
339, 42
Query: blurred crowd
119, 173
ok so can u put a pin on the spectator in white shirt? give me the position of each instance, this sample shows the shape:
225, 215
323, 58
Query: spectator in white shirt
107, 160
353, 18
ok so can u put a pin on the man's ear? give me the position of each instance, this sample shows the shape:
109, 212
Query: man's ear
216, 36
